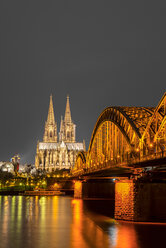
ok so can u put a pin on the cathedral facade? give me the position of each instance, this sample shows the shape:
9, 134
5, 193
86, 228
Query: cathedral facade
58, 152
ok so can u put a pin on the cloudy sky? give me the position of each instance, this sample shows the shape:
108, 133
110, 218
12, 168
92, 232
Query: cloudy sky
101, 53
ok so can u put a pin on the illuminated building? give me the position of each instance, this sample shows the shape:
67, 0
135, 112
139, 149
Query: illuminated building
6, 166
53, 154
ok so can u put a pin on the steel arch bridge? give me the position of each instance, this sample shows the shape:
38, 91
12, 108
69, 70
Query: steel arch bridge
125, 135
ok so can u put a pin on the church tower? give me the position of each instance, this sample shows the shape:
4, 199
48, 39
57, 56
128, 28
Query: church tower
67, 127
54, 155
50, 133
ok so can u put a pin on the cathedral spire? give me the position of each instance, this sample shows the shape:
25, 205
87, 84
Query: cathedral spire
51, 118
67, 118
50, 133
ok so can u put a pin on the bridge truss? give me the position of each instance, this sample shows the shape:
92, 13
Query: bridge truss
124, 135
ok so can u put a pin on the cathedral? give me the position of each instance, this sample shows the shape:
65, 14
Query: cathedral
58, 152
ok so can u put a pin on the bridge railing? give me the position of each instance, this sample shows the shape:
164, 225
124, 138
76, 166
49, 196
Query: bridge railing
116, 163
153, 156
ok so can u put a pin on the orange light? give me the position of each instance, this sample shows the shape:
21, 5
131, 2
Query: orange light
74, 201
78, 189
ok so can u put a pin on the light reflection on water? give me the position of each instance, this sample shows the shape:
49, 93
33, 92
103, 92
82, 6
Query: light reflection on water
65, 222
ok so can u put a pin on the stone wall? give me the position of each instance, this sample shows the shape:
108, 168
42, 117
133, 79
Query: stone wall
78, 189
124, 200
140, 201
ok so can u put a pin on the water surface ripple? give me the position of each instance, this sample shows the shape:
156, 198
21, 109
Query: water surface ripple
62, 222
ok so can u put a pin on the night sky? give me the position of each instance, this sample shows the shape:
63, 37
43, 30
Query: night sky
101, 53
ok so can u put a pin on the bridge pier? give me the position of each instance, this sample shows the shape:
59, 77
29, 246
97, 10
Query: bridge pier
136, 201
78, 189
131, 200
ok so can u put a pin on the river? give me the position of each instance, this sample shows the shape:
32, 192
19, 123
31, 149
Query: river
64, 222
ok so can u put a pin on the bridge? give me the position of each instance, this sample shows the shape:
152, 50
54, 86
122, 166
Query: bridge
124, 141
125, 138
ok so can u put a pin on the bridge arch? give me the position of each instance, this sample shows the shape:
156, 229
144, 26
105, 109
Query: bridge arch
80, 163
125, 135
116, 135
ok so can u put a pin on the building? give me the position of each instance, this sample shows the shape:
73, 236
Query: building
6, 166
58, 152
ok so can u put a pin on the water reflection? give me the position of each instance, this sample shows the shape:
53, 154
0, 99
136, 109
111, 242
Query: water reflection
84, 231
126, 237
66, 222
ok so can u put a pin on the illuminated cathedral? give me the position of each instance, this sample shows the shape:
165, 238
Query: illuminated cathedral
58, 153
